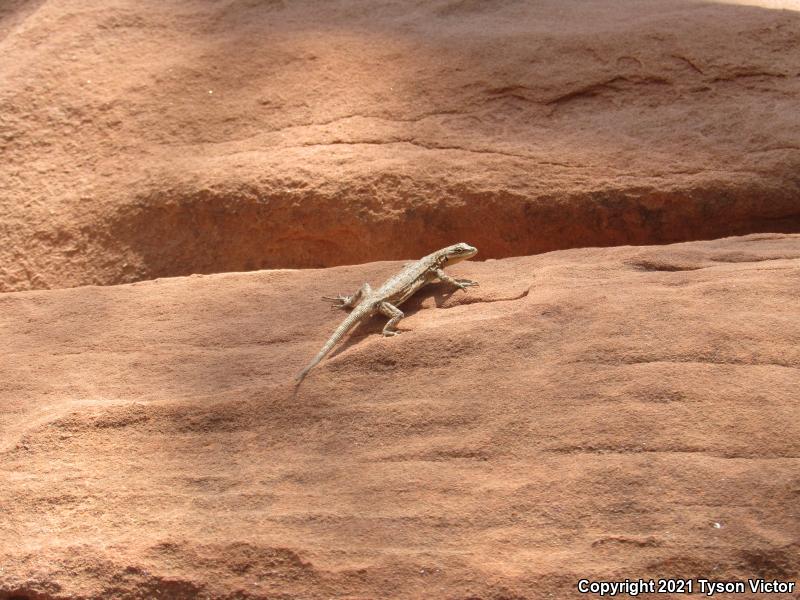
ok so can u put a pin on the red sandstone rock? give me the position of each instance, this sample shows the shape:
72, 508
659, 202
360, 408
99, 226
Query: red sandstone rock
599, 413
141, 140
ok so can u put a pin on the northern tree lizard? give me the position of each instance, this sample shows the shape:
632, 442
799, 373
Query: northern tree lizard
396, 290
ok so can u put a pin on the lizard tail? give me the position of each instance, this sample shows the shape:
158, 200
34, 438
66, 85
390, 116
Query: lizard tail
354, 317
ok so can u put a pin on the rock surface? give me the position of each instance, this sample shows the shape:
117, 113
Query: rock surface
600, 413
142, 140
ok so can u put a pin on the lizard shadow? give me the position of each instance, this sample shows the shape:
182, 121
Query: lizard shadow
440, 292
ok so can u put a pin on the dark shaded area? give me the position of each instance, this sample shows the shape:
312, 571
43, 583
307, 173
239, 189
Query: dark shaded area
216, 232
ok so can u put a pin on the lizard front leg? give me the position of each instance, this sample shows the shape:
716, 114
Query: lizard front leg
459, 283
394, 314
345, 302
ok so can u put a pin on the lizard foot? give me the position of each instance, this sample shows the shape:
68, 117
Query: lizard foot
337, 302
465, 283
390, 333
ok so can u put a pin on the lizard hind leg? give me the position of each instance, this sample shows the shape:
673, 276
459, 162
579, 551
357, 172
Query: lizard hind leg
345, 302
394, 314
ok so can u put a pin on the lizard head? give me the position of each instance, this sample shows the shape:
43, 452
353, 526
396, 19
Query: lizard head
458, 252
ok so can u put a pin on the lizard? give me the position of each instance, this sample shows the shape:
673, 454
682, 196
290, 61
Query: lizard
396, 290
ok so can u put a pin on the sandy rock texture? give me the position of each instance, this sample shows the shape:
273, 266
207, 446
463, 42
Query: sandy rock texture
601, 413
141, 140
